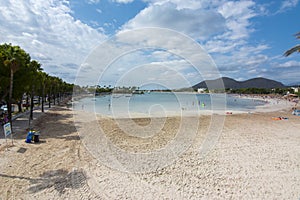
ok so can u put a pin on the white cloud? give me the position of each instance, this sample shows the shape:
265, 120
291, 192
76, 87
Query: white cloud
222, 26
289, 64
154, 73
242, 58
226, 37
238, 15
232, 51
123, 56
98, 10
123, 1
286, 4
222, 46
189, 4
195, 23
92, 1
48, 32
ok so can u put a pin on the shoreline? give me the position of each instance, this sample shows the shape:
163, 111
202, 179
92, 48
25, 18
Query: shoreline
271, 105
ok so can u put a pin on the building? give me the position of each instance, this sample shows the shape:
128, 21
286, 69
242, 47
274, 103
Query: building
296, 89
201, 90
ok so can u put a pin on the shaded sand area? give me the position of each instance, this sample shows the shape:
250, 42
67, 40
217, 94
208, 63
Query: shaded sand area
254, 157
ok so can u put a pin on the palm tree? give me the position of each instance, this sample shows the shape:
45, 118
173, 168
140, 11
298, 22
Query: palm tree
43, 77
295, 48
34, 68
15, 57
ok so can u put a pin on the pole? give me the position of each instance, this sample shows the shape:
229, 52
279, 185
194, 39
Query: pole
12, 141
6, 143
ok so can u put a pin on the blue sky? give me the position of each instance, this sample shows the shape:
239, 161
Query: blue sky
245, 39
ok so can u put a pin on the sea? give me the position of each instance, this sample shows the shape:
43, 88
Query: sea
163, 104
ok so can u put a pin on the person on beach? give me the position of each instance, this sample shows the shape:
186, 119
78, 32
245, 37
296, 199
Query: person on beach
5, 119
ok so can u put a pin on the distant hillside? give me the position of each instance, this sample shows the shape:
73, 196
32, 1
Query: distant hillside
295, 84
233, 84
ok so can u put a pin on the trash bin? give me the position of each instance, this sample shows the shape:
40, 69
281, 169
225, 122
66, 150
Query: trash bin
36, 136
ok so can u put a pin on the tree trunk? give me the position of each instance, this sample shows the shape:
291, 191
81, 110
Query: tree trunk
43, 97
49, 100
20, 106
27, 101
10, 95
58, 98
31, 103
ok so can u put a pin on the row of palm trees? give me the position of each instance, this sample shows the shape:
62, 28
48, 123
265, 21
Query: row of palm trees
20, 75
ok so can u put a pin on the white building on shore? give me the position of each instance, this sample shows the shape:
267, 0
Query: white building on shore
201, 90
296, 89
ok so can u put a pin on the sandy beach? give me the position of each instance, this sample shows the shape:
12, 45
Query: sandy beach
84, 156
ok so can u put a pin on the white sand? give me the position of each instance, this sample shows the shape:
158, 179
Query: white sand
253, 157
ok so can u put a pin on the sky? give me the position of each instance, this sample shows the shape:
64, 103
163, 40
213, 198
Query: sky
171, 43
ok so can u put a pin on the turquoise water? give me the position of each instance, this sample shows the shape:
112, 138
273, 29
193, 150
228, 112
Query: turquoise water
162, 103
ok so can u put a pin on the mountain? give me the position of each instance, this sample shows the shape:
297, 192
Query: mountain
226, 82
295, 84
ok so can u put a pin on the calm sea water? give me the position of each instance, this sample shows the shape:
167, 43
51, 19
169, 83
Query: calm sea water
162, 103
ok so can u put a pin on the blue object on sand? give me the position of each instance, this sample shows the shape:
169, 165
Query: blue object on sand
29, 136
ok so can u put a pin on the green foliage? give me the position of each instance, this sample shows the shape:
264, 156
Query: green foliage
100, 89
13, 61
27, 74
295, 48
20, 75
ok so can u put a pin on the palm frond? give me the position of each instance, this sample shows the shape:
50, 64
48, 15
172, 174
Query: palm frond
293, 50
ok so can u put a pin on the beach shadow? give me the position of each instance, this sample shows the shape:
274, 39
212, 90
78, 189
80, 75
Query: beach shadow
50, 125
37, 143
19, 177
59, 179
72, 137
